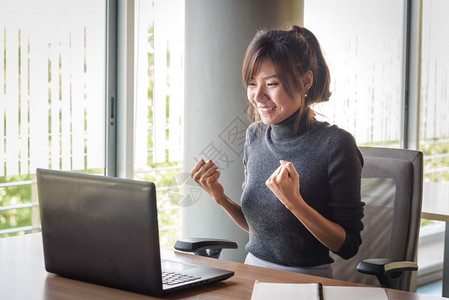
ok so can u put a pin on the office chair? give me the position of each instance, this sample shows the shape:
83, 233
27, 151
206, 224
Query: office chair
391, 189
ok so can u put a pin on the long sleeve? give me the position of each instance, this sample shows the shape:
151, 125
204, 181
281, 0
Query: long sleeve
345, 207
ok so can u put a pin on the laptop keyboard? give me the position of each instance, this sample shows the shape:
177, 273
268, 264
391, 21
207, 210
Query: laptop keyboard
172, 278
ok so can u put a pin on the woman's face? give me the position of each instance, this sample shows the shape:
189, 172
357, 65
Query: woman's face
268, 96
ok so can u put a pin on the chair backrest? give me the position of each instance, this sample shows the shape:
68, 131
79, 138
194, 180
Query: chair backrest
392, 192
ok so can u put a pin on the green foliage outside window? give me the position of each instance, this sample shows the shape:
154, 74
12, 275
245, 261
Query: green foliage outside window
13, 196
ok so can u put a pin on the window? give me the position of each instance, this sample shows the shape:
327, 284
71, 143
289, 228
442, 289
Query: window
52, 99
434, 96
363, 47
434, 114
52, 108
159, 106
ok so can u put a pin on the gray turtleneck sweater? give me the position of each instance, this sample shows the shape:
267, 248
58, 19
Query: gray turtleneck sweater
329, 166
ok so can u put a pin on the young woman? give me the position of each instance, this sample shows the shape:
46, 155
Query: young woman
301, 194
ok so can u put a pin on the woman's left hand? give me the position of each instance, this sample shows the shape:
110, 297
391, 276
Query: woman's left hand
284, 183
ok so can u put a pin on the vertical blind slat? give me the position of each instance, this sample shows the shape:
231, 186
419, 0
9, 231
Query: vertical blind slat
176, 106
176, 43
95, 108
53, 98
38, 99
66, 117
143, 80
2, 103
160, 82
12, 100
76, 57
24, 108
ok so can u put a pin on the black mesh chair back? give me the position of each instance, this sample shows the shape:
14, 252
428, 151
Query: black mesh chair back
392, 192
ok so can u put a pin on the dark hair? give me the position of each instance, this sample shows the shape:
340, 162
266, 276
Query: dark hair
293, 52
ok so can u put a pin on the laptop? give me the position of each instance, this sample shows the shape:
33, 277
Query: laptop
104, 230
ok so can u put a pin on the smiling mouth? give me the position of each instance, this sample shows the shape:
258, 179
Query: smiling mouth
267, 110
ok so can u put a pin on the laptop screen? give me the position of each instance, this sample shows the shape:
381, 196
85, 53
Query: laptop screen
100, 229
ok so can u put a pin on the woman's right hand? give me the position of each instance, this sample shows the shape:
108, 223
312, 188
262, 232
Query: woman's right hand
206, 174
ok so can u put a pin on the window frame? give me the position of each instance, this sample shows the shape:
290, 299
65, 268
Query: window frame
411, 74
111, 87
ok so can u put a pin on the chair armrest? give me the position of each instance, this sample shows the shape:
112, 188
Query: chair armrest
388, 271
204, 246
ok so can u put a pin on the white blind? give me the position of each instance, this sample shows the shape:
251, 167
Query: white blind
365, 63
52, 85
144, 67
160, 38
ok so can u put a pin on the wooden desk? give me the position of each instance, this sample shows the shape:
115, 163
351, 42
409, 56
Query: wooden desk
22, 276
436, 207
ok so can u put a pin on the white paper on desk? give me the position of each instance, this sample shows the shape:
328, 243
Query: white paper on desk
309, 291
353, 293
284, 291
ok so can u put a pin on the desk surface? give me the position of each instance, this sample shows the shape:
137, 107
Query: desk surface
22, 276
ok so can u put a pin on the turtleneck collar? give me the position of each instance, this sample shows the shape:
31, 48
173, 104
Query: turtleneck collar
285, 129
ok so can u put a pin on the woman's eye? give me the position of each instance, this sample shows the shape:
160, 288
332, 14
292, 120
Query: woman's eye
272, 83
252, 84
